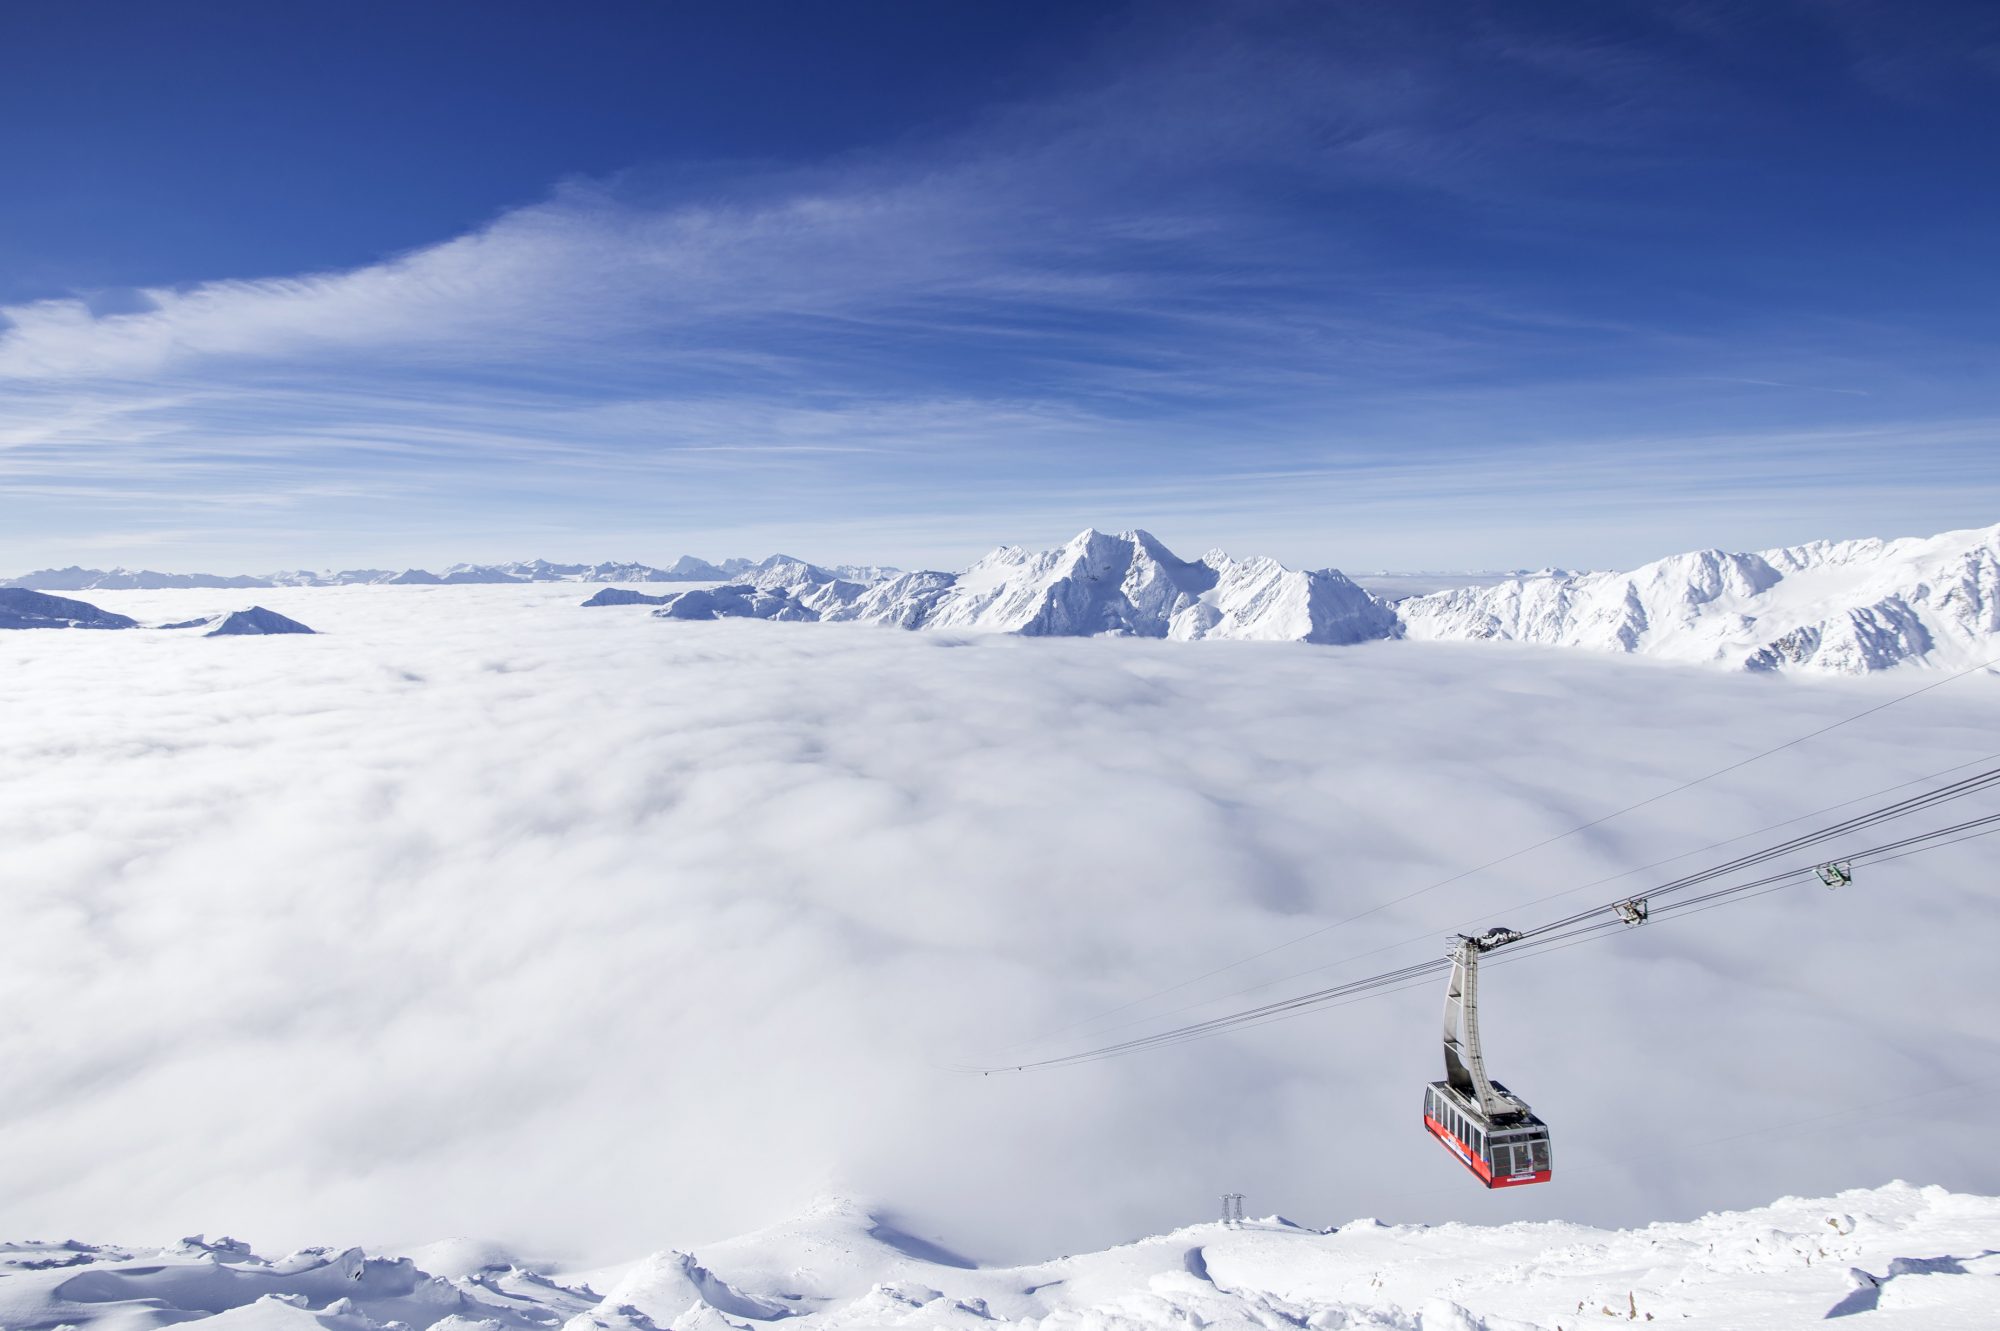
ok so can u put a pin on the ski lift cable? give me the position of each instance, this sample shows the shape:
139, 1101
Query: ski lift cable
1575, 937
1916, 804
1518, 853
1870, 818
1876, 854
1539, 942
1779, 883
1467, 924
1521, 952
1525, 951
1419, 973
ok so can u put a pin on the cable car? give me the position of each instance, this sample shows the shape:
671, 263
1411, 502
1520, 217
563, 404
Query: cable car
1489, 1128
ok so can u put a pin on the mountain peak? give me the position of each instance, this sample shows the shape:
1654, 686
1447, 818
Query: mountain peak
1128, 584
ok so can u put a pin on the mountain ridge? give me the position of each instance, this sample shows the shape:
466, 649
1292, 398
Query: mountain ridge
1847, 607
1835, 607
1831, 607
685, 569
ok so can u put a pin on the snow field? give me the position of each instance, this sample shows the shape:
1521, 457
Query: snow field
1891, 1257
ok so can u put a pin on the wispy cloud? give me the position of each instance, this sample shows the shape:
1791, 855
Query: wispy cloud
1193, 259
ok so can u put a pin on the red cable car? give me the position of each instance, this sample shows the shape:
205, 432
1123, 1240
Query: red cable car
1489, 1128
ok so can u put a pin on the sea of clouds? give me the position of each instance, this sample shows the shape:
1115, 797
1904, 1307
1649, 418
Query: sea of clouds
484, 914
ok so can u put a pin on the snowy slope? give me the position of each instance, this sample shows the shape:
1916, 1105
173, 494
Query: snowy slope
1128, 584
1895, 1257
1838, 607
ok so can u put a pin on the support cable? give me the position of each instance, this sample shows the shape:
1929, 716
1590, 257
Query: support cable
1516, 854
1555, 935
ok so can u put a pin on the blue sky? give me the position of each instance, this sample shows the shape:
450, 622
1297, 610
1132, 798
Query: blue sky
1425, 285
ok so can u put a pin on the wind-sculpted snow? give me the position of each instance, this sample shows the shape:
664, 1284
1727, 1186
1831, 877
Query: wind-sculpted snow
479, 913
1835, 607
1905, 1256
1128, 584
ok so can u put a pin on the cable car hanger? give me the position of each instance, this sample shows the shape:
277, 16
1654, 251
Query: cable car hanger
1491, 1131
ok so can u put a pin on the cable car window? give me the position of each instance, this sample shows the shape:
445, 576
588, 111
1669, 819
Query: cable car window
1541, 1155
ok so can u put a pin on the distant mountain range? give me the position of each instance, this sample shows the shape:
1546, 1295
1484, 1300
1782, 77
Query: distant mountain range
1835, 607
685, 569
1841, 607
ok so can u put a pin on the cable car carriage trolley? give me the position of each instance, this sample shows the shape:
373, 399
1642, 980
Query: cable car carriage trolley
1489, 1128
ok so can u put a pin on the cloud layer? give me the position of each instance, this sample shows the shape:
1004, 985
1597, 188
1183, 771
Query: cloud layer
481, 914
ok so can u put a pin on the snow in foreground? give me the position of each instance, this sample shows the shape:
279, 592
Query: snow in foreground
1894, 1256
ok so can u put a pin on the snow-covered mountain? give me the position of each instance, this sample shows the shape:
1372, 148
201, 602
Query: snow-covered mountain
24, 609
1097, 583
685, 569
1831, 607
1904, 1256
75, 579
1836, 607
254, 622
1841, 607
